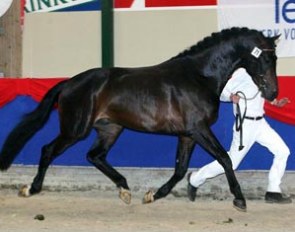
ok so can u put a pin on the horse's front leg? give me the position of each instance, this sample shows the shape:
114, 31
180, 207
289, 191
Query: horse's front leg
184, 151
209, 142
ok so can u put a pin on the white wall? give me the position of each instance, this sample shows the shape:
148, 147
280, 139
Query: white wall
150, 37
64, 44
61, 44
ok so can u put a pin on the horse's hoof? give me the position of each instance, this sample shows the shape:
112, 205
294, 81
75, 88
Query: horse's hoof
148, 197
125, 195
240, 205
24, 191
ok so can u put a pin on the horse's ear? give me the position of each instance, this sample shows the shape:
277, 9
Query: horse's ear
275, 38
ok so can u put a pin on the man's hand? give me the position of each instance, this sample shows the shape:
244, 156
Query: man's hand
281, 102
235, 98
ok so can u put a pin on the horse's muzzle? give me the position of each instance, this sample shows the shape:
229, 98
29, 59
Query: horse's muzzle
270, 95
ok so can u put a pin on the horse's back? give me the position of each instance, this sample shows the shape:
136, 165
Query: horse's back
161, 98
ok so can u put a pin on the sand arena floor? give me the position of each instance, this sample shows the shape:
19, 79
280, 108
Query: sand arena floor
103, 211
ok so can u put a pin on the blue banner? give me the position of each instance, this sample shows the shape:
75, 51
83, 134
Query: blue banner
134, 149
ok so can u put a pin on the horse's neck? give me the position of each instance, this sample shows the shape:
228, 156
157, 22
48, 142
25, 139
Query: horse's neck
217, 69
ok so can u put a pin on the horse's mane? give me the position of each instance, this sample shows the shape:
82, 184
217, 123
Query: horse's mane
216, 38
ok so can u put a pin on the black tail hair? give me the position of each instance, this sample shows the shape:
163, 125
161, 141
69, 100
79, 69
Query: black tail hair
28, 126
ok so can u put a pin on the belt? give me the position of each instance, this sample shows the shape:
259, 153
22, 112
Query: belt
240, 119
239, 126
254, 118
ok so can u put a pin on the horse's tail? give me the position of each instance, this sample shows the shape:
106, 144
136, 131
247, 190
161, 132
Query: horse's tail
28, 126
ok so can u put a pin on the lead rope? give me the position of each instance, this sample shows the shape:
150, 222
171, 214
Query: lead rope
248, 99
240, 118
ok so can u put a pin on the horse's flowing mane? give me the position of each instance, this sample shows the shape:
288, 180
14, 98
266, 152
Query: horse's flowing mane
216, 38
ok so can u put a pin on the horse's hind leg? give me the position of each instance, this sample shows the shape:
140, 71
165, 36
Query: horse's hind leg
184, 152
107, 135
49, 153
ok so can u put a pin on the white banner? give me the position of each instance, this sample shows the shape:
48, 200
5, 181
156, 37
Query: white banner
50, 5
272, 17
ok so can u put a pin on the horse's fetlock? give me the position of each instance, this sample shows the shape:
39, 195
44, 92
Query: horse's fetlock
35, 189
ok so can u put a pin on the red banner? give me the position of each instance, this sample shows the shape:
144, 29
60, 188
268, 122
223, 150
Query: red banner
287, 113
171, 3
164, 3
10, 88
36, 88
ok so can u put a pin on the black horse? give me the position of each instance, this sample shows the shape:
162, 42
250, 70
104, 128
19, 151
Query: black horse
178, 97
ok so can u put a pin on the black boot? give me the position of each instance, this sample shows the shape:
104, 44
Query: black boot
191, 190
272, 197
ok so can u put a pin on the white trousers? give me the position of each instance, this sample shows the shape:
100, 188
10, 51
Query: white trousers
253, 131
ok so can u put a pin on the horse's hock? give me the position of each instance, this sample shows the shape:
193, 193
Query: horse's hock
61, 178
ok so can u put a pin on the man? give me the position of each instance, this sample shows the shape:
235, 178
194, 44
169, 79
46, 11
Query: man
250, 127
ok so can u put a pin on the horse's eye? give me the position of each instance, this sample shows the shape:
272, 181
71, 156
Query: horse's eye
270, 58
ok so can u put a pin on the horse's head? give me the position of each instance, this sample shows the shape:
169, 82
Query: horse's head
260, 63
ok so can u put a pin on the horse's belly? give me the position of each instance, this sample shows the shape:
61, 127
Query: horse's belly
147, 123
